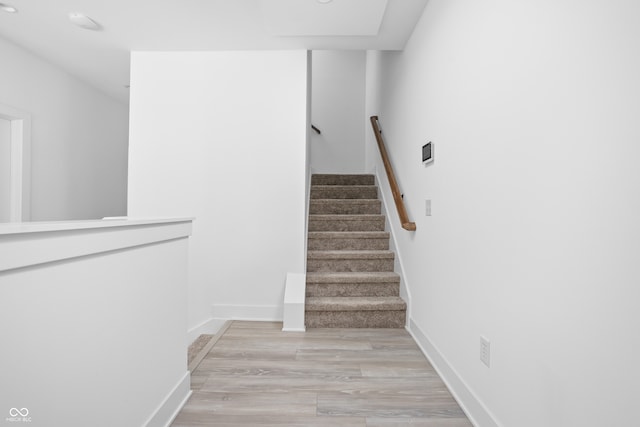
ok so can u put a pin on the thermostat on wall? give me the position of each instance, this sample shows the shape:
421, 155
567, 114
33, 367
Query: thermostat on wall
427, 152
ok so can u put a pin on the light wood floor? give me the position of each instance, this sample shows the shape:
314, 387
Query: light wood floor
257, 375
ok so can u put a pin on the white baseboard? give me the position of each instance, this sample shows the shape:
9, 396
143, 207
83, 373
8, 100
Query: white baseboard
210, 326
476, 411
265, 313
164, 415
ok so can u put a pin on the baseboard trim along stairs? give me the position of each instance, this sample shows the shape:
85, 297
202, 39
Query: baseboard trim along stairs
350, 281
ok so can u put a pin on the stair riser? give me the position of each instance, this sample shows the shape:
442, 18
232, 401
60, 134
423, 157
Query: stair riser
373, 224
355, 319
369, 192
345, 265
353, 290
319, 179
344, 207
336, 244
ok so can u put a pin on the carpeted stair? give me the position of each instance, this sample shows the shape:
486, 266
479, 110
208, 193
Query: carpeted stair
350, 278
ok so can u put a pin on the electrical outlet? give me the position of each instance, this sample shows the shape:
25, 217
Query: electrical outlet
485, 351
427, 206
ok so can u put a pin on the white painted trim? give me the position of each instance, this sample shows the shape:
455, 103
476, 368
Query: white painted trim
17, 127
170, 407
310, 173
307, 157
476, 411
17, 249
108, 222
265, 313
209, 326
294, 299
394, 243
20, 162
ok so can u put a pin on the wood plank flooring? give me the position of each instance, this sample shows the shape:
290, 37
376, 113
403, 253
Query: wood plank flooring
257, 375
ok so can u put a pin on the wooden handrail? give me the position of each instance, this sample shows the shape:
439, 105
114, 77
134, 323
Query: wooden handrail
397, 196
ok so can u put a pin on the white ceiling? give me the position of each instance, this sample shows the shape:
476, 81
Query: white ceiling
101, 58
313, 18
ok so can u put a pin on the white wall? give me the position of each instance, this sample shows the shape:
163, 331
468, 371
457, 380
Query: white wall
92, 322
78, 139
338, 85
221, 136
534, 240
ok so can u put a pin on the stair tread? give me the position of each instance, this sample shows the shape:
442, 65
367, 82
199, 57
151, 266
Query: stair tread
350, 277
342, 175
346, 222
336, 179
341, 187
349, 234
343, 217
349, 192
346, 201
351, 254
338, 186
354, 303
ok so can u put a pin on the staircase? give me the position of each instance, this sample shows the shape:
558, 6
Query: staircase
350, 278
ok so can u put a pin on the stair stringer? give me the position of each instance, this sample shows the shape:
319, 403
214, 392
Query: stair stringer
391, 215
295, 284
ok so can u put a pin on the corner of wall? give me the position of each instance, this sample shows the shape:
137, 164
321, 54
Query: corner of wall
476, 411
168, 410
209, 326
255, 313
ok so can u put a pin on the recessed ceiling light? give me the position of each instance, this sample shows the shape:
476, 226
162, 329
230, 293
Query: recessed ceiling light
324, 1
8, 8
83, 21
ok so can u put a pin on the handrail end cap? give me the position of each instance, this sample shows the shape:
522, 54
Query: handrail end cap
409, 226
